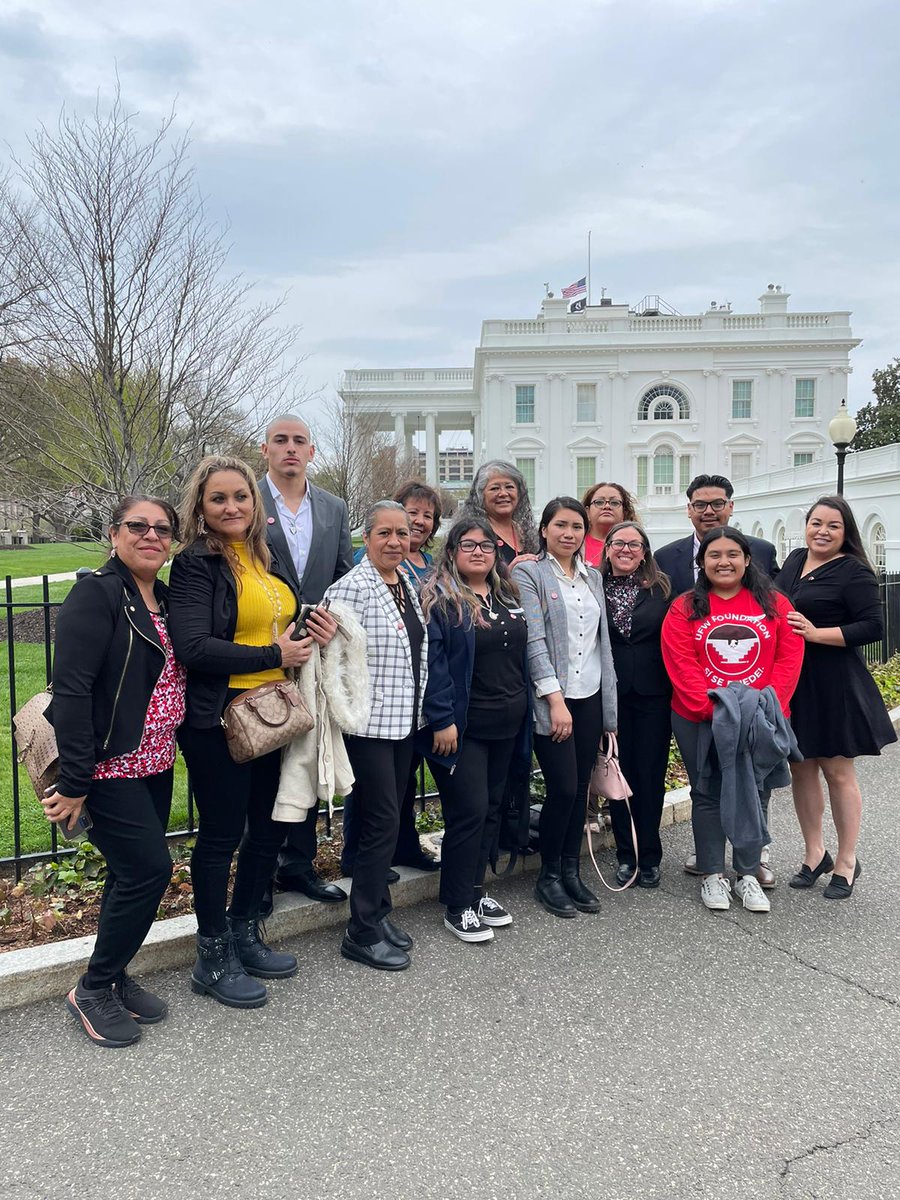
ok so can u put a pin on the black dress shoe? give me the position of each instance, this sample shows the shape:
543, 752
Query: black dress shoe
395, 935
807, 876
649, 877
841, 888
421, 863
382, 956
624, 874
393, 876
315, 888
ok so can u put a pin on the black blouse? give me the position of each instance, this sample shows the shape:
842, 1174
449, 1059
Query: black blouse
497, 696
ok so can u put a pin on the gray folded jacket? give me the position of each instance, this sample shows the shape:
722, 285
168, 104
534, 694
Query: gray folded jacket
753, 742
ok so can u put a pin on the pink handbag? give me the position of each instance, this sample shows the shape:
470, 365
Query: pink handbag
608, 783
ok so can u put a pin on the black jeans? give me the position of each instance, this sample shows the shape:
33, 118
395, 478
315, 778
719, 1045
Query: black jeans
130, 818
471, 798
408, 845
567, 770
381, 768
235, 802
645, 731
300, 846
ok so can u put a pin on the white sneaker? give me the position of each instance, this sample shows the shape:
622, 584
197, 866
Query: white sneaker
751, 894
715, 893
492, 913
467, 926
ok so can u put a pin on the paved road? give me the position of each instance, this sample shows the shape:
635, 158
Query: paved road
655, 1051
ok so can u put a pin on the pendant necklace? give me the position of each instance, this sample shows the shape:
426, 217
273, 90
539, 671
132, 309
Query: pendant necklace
488, 606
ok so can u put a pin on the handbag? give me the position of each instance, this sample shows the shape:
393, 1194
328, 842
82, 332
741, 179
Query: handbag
36, 742
265, 718
608, 783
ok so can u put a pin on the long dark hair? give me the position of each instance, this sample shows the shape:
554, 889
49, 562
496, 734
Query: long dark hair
852, 544
551, 508
757, 582
648, 573
445, 588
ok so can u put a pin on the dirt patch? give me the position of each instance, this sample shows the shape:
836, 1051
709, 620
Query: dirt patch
29, 626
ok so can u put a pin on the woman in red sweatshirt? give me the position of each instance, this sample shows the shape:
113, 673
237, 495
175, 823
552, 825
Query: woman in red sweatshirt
732, 628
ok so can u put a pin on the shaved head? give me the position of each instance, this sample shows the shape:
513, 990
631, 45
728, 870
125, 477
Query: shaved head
287, 418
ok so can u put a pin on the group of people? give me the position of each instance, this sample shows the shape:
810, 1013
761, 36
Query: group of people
521, 638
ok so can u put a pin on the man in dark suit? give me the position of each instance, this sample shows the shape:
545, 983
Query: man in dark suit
710, 504
308, 530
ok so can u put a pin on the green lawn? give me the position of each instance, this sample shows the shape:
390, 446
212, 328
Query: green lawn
51, 559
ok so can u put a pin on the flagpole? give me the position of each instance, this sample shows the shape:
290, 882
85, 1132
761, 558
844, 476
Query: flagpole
589, 269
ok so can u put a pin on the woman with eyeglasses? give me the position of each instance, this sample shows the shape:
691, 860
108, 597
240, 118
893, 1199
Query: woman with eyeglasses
637, 599
477, 713
574, 694
118, 697
499, 495
607, 504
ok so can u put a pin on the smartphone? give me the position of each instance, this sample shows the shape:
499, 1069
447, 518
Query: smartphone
77, 830
300, 630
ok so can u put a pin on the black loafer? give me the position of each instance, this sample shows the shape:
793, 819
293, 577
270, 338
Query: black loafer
382, 956
807, 876
395, 935
624, 873
393, 876
841, 888
422, 863
315, 888
649, 877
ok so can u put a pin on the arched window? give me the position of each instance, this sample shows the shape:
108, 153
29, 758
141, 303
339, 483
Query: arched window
781, 542
758, 530
877, 552
660, 402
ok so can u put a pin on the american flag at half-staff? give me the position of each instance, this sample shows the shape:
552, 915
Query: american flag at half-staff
575, 289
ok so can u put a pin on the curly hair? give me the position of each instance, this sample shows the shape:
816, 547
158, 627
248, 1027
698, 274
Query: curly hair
522, 517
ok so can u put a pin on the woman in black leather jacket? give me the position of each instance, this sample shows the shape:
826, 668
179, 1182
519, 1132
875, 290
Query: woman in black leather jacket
118, 697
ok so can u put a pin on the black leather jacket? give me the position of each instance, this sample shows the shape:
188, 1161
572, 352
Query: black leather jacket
107, 662
202, 621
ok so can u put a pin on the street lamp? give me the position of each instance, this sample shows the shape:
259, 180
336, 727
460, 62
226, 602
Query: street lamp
841, 430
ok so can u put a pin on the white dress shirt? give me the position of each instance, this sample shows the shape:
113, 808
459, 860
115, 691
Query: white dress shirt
583, 629
696, 569
297, 526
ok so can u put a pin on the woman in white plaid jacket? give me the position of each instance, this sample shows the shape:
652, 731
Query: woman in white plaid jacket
381, 752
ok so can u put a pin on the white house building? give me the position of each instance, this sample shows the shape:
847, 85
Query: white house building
641, 395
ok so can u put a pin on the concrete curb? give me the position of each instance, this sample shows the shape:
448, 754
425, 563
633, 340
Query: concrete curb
43, 972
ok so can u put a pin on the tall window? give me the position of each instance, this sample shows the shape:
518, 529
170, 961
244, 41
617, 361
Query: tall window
524, 403
585, 474
663, 470
802, 457
741, 466
664, 402
642, 475
877, 538
804, 397
526, 466
741, 399
586, 404
684, 472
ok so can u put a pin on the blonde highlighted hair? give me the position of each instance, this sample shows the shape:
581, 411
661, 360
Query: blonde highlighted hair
193, 527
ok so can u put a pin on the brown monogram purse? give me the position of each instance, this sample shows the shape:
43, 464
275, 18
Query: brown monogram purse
265, 718
36, 743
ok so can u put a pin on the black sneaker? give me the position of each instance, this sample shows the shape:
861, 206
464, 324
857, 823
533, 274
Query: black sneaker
101, 1015
492, 913
141, 1005
467, 926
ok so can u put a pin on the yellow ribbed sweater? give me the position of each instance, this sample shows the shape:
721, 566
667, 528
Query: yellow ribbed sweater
260, 595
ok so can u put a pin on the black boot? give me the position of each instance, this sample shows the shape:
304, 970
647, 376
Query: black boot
256, 957
218, 973
549, 891
583, 898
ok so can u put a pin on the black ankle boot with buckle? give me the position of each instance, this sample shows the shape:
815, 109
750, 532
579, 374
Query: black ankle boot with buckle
218, 972
256, 957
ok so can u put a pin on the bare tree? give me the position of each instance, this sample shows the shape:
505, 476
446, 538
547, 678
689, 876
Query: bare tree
133, 351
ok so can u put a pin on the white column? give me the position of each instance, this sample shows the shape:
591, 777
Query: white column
400, 431
431, 450
476, 439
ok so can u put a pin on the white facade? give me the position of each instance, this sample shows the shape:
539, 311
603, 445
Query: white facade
635, 395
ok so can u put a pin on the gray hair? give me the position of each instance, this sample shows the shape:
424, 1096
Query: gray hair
522, 517
375, 508
288, 417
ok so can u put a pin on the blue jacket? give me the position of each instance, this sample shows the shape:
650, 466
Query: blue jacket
451, 658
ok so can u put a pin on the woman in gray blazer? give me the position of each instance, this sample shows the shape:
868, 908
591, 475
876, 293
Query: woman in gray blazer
574, 682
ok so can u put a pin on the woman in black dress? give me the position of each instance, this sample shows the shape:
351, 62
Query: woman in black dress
837, 711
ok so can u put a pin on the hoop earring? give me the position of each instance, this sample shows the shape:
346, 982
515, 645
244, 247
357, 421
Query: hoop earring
201, 526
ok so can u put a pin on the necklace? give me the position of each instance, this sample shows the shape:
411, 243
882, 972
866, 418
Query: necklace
398, 591
487, 605
273, 598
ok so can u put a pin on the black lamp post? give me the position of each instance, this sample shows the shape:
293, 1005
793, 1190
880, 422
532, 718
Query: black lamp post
841, 430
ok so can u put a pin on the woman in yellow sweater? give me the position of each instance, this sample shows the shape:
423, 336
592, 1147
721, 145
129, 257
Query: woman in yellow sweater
232, 616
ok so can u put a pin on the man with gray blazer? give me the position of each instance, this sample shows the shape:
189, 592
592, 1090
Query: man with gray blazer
710, 504
308, 530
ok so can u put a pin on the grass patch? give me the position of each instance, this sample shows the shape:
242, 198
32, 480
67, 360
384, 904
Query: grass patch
51, 559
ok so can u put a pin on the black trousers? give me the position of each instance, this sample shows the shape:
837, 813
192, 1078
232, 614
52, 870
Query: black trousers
567, 770
644, 735
300, 846
409, 848
130, 818
235, 802
471, 799
381, 768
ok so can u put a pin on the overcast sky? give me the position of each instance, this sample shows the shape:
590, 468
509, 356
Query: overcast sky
406, 169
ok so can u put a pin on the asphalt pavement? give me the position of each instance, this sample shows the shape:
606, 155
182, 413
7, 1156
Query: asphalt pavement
655, 1051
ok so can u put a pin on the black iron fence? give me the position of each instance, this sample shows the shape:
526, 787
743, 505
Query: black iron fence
28, 626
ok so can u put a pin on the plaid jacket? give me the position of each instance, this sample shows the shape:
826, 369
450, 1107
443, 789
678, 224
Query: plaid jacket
392, 687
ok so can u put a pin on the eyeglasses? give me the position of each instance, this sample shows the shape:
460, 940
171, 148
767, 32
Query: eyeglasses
142, 528
700, 506
485, 547
606, 503
620, 545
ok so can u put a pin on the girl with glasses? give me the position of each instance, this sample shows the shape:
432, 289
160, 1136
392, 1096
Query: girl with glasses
607, 504
477, 713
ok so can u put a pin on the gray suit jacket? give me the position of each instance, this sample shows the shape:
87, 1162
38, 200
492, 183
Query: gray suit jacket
548, 645
677, 560
330, 551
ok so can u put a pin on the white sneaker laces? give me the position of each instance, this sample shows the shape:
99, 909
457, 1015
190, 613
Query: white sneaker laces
487, 904
469, 919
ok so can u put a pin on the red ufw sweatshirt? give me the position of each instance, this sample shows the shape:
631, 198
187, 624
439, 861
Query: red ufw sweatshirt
735, 643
